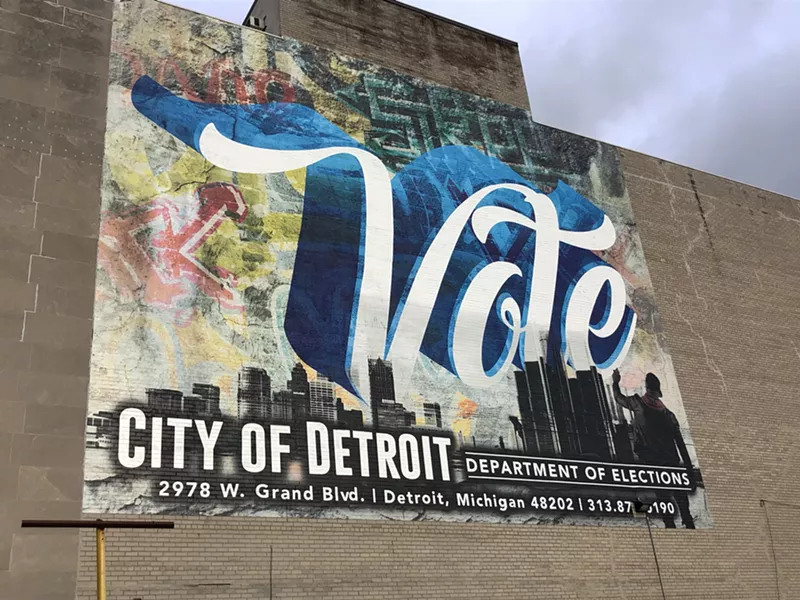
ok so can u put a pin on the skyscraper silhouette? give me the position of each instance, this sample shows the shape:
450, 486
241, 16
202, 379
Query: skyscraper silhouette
353, 419
298, 386
381, 386
254, 395
433, 414
563, 411
321, 396
282, 405
535, 411
593, 415
164, 401
194, 406
210, 394
393, 415
565, 416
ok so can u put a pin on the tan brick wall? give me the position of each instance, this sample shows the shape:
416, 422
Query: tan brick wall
729, 297
722, 258
53, 71
410, 42
785, 544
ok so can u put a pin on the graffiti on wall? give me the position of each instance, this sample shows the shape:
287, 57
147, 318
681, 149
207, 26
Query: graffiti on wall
455, 297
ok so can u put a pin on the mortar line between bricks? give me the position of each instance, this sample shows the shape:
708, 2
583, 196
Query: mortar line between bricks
779, 503
85, 13
22, 335
659, 181
35, 186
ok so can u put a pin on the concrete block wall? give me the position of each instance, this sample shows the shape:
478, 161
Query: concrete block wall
722, 258
396, 36
53, 73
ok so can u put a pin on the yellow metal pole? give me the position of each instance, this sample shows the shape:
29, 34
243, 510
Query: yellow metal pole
101, 563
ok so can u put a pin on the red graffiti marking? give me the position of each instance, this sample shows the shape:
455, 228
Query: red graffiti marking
226, 84
150, 253
170, 67
220, 74
264, 78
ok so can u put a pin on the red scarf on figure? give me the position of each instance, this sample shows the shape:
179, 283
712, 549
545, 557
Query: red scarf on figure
652, 401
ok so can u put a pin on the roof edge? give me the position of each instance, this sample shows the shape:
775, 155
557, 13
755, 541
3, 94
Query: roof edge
426, 13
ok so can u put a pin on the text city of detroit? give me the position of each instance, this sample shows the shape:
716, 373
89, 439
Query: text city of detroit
340, 452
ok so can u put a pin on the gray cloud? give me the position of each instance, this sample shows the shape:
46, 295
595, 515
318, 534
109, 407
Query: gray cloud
749, 130
712, 84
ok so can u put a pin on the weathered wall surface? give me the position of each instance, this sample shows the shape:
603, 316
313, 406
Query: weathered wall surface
720, 256
411, 42
53, 69
196, 258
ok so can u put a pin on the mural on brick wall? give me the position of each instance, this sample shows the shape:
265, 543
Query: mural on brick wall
326, 289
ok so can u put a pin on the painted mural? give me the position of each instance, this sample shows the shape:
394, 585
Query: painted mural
327, 289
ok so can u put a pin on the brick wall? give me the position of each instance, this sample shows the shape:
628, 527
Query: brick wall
394, 36
785, 545
53, 69
721, 256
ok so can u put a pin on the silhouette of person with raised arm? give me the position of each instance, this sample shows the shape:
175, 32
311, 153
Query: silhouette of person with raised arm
657, 438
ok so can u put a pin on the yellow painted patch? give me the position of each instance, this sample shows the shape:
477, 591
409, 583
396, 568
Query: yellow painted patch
297, 178
349, 401
462, 426
191, 168
342, 71
253, 188
118, 369
248, 261
351, 121
130, 168
282, 227
200, 342
466, 409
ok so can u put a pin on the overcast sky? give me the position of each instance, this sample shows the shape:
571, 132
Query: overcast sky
712, 84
